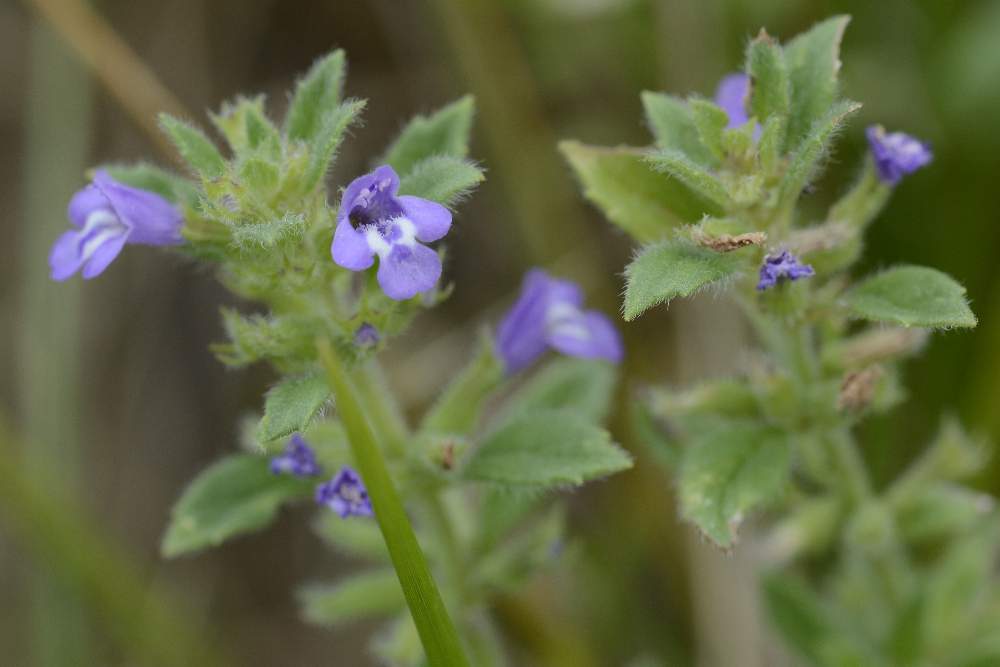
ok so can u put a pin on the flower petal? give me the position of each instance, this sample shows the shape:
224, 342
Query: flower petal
85, 202
103, 255
350, 249
408, 270
521, 334
361, 183
152, 219
431, 220
731, 95
589, 335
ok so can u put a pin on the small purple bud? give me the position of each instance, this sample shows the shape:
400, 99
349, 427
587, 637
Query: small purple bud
366, 336
106, 215
345, 494
549, 314
298, 459
780, 266
374, 220
896, 154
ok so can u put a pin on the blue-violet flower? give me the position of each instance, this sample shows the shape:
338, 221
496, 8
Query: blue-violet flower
896, 154
106, 215
782, 265
345, 494
733, 94
549, 314
298, 459
374, 220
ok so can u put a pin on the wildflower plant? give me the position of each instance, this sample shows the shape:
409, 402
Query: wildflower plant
857, 574
472, 479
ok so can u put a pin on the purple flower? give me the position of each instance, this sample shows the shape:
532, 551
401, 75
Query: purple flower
548, 314
298, 459
733, 95
896, 154
374, 220
783, 265
345, 494
366, 336
106, 215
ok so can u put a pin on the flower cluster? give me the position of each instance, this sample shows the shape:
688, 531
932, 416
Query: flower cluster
781, 266
344, 493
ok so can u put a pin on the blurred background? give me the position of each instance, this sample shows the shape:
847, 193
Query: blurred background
112, 401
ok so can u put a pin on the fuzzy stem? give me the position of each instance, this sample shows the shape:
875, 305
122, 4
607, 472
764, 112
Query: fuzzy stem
437, 633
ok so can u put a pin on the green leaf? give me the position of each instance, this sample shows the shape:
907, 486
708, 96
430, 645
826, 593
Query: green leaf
316, 94
360, 539
292, 405
729, 471
544, 449
710, 120
509, 564
672, 125
665, 270
441, 178
196, 149
172, 187
366, 595
942, 511
913, 296
799, 614
445, 132
699, 179
957, 589
259, 175
770, 93
457, 410
629, 192
583, 386
237, 495
501, 510
259, 236
805, 162
247, 128
813, 60
329, 135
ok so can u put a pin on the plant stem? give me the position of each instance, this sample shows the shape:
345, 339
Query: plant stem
437, 632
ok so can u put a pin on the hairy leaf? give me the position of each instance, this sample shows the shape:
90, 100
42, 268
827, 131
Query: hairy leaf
367, 595
673, 126
196, 149
666, 270
291, 405
316, 95
699, 179
813, 65
914, 296
730, 471
445, 132
629, 192
544, 449
441, 178
237, 495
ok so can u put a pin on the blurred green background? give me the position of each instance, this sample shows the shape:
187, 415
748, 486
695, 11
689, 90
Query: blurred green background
116, 401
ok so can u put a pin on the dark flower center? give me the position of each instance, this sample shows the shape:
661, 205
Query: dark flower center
374, 206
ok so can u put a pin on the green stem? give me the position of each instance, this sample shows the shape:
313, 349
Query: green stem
851, 466
437, 633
